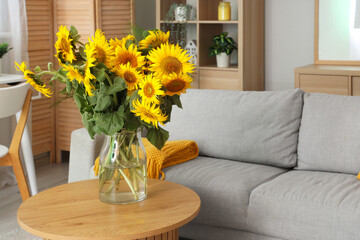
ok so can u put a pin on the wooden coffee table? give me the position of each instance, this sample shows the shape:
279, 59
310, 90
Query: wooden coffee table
74, 211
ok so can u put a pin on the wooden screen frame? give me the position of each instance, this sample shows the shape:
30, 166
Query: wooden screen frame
316, 44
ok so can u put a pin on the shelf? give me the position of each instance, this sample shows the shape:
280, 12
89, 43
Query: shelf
218, 22
177, 22
204, 22
233, 67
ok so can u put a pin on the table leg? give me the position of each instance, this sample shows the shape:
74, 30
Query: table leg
171, 235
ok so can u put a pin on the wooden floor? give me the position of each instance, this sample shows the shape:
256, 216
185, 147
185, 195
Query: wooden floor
10, 199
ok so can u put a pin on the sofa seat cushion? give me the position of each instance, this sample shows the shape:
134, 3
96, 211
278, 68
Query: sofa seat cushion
224, 187
329, 138
307, 205
256, 127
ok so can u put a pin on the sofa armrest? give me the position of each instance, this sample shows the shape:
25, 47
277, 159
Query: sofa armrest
83, 152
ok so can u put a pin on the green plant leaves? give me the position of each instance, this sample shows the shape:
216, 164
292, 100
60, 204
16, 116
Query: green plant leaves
102, 103
131, 123
157, 137
109, 123
222, 43
176, 100
88, 123
119, 85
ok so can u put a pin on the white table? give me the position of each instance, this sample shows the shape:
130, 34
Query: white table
26, 145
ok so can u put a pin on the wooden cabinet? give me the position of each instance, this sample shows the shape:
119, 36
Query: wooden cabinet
40, 47
340, 80
246, 27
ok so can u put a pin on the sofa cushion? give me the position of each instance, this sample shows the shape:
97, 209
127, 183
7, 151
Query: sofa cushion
329, 138
307, 205
224, 187
256, 127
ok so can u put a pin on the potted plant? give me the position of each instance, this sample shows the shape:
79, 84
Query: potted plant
4, 48
222, 49
176, 22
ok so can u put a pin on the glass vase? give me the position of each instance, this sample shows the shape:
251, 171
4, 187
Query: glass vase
122, 168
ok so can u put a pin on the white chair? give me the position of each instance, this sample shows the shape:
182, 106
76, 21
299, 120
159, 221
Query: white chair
16, 100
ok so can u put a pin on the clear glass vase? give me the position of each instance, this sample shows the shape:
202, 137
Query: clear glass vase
122, 168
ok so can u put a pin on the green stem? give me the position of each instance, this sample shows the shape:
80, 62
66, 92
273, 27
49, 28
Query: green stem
130, 143
129, 183
111, 83
114, 183
59, 76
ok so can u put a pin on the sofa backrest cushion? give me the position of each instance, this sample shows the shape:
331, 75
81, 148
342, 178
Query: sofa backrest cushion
256, 127
329, 138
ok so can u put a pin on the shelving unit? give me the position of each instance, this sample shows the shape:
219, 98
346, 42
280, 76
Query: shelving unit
246, 27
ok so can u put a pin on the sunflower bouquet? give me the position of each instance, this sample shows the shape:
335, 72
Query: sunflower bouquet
119, 85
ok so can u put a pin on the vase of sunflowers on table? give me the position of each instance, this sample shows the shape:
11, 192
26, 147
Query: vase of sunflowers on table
121, 87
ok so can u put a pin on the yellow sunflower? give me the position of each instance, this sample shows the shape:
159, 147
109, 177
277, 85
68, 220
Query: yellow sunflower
176, 83
73, 73
37, 84
154, 39
131, 75
169, 59
116, 42
90, 62
64, 48
150, 88
102, 49
148, 112
124, 56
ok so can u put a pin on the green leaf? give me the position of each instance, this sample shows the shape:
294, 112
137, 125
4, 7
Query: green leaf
68, 86
99, 74
88, 123
82, 52
128, 43
109, 123
102, 103
73, 31
137, 32
133, 97
80, 102
131, 123
119, 85
176, 100
145, 33
157, 137
92, 100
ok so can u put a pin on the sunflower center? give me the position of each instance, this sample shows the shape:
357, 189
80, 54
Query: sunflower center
128, 58
149, 90
175, 85
65, 45
148, 114
171, 65
100, 54
129, 77
156, 43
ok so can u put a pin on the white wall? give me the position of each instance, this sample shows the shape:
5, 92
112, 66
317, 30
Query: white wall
145, 14
289, 37
289, 40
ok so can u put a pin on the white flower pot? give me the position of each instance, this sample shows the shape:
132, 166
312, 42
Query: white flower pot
0, 65
223, 60
180, 14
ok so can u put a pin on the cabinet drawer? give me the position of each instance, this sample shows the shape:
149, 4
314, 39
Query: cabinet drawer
325, 84
356, 86
213, 79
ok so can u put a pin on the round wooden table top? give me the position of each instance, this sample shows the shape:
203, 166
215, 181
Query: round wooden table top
74, 211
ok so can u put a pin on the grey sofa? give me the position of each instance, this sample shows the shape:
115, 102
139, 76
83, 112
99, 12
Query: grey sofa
272, 165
